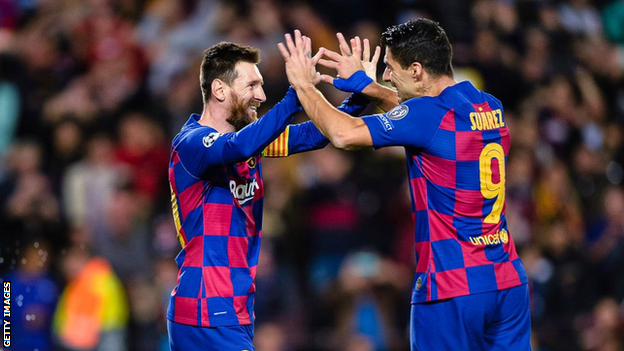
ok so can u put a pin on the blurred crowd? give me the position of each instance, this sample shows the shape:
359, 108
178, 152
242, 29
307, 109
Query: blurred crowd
92, 92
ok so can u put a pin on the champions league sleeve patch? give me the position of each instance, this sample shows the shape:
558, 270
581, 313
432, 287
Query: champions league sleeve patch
398, 112
209, 139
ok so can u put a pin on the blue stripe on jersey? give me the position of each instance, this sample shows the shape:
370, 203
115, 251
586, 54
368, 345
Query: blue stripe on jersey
441, 199
481, 278
183, 180
215, 251
194, 223
467, 175
445, 145
422, 226
189, 286
447, 255
241, 279
467, 227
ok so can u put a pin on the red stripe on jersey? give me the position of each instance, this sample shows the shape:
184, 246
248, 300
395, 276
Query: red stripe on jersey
190, 198
510, 248
439, 171
184, 306
205, 319
506, 275
448, 121
423, 250
441, 226
252, 272
250, 220
218, 282
217, 219
240, 307
505, 140
468, 203
490, 228
468, 145
243, 167
237, 251
452, 283
194, 252
419, 191
482, 107
474, 255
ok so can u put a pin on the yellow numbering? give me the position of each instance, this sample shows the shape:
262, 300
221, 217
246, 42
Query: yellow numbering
489, 189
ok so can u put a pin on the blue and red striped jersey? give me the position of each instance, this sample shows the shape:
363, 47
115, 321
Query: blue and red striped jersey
456, 146
217, 201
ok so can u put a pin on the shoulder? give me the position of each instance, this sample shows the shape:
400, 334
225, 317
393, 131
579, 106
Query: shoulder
410, 108
198, 136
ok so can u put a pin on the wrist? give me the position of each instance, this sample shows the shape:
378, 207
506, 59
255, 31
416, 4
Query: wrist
304, 87
356, 83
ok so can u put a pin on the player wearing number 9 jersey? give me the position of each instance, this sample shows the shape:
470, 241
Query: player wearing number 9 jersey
470, 287
456, 173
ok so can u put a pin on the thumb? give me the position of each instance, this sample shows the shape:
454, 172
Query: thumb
325, 78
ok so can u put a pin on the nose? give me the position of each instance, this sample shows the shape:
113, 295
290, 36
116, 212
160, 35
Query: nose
386, 75
259, 95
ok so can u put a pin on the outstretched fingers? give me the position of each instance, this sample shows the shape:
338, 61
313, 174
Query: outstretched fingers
342, 43
332, 55
299, 45
377, 55
284, 51
366, 50
356, 47
328, 63
317, 57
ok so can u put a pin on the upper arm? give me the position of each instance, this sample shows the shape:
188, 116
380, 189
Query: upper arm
402, 126
356, 136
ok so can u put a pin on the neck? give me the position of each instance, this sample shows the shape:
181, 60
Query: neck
434, 87
214, 116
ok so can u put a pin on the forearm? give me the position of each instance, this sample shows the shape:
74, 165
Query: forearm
334, 124
385, 98
252, 139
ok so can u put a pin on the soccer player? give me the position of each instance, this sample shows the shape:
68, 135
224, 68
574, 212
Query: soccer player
470, 288
216, 184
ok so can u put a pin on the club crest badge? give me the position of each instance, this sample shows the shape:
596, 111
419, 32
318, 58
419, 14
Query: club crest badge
251, 162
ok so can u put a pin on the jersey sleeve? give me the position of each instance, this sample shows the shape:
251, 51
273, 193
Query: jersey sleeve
405, 125
306, 136
204, 147
354, 104
296, 138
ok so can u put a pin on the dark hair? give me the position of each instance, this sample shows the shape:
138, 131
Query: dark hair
219, 62
420, 40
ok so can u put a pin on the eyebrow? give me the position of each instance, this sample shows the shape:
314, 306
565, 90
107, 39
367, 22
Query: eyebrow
255, 81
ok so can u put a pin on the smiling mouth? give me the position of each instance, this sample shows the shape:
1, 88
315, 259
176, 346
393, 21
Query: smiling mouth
253, 111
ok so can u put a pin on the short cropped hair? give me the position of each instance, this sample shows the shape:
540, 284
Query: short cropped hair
420, 40
219, 62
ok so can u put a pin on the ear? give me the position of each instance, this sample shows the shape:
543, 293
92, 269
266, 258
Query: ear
417, 71
218, 88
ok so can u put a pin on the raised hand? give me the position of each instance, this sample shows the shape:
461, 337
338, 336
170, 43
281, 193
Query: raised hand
300, 65
350, 60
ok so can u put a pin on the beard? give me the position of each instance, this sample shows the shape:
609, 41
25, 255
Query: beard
239, 116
